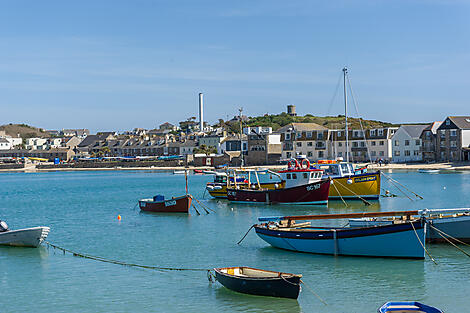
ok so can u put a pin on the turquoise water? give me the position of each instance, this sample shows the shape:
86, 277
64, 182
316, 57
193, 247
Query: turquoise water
82, 208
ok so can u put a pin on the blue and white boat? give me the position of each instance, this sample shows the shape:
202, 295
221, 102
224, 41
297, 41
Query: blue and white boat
407, 307
404, 240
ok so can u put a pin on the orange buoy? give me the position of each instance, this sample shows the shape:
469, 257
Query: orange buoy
119, 217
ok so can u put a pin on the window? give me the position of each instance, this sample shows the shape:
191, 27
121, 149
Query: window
373, 143
294, 176
304, 134
299, 144
373, 153
416, 152
320, 154
381, 142
305, 175
397, 153
340, 133
417, 142
381, 153
453, 144
320, 136
355, 144
407, 152
397, 143
299, 135
447, 122
443, 144
355, 153
453, 132
309, 134
380, 132
407, 142
372, 132
288, 176
443, 132
287, 136
288, 155
309, 154
309, 144
363, 144
340, 154
340, 144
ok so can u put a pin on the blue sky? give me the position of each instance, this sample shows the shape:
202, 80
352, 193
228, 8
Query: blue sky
116, 65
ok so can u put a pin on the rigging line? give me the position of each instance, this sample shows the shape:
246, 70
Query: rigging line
453, 238
418, 196
458, 248
421, 243
106, 260
335, 94
395, 185
360, 122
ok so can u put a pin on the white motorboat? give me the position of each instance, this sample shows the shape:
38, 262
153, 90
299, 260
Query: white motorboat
26, 237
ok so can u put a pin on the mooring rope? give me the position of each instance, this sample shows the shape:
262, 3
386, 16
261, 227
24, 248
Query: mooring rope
313, 292
363, 200
399, 189
106, 260
422, 245
453, 238
341, 197
418, 196
202, 205
457, 247
246, 234
194, 207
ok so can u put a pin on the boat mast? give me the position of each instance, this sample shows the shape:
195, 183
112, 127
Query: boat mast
241, 136
345, 71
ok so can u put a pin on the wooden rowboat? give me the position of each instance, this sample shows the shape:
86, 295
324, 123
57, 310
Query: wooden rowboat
173, 205
259, 282
407, 307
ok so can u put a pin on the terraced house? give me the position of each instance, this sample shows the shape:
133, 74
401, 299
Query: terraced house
309, 139
453, 139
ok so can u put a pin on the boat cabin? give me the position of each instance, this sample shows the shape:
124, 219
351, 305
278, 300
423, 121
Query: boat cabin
337, 170
297, 177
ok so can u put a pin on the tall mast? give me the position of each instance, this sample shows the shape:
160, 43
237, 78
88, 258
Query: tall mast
241, 136
345, 71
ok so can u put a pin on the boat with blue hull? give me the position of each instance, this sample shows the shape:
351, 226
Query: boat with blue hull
407, 307
259, 282
405, 240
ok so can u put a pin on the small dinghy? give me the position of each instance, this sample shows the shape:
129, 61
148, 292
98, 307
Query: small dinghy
26, 237
407, 307
259, 282
428, 171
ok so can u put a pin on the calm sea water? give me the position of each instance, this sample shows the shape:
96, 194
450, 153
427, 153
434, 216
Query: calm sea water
82, 208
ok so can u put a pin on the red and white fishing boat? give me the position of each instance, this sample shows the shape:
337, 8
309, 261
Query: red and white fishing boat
303, 185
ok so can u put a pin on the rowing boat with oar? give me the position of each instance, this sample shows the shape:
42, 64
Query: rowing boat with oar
259, 282
404, 240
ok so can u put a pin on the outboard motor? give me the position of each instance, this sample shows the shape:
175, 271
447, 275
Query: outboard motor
3, 226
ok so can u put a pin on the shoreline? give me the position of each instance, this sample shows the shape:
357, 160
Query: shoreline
410, 167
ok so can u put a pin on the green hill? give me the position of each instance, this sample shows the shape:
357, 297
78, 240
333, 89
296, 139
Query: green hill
25, 131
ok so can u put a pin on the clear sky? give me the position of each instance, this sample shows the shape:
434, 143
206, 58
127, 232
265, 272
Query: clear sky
117, 65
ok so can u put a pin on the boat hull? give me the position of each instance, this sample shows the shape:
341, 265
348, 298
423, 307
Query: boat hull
455, 226
174, 205
219, 190
367, 186
28, 237
399, 241
283, 287
314, 193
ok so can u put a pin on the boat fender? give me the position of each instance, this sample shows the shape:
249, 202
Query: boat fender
305, 164
3, 226
349, 181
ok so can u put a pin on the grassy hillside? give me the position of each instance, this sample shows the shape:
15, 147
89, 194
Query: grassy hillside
24, 130
331, 122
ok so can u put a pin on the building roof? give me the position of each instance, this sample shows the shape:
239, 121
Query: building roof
462, 122
4, 140
414, 130
301, 127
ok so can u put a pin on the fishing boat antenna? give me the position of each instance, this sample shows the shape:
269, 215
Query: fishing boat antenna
345, 71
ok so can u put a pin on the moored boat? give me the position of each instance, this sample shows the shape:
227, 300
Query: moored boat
442, 223
259, 282
26, 237
407, 307
173, 205
405, 240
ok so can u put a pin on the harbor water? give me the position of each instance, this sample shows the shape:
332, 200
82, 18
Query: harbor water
81, 208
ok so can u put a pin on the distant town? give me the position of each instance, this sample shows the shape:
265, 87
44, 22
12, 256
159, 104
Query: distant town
271, 139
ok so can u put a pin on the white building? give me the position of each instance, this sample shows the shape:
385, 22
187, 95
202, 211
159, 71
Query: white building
35, 143
406, 144
5, 144
307, 139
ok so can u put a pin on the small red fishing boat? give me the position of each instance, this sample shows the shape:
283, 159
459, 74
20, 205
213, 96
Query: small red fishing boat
173, 205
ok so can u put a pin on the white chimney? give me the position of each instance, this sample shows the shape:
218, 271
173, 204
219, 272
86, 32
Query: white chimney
201, 112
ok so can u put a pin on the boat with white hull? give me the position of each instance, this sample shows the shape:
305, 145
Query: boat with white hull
26, 237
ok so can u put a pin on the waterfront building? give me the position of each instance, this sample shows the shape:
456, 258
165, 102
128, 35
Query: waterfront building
308, 139
429, 142
370, 145
234, 143
453, 139
5, 144
265, 148
212, 141
406, 144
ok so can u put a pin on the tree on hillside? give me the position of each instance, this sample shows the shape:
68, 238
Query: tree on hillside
205, 149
